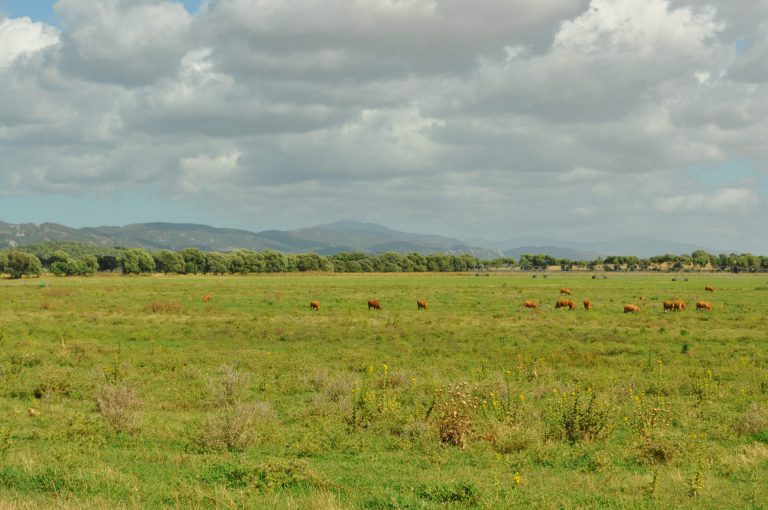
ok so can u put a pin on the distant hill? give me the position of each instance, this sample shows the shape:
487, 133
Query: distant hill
331, 238
323, 239
637, 246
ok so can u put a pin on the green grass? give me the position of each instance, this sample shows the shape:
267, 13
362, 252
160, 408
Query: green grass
146, 396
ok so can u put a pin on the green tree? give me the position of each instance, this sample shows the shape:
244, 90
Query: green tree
3, 261
136, 261
89, 263
168, 261
108, 262
216, 263
23, 264
194, 260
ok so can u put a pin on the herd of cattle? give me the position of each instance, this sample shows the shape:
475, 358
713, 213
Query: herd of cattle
675, 305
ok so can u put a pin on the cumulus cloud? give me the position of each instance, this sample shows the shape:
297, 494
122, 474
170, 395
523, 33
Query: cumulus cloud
727, 200
475, 117
22, 37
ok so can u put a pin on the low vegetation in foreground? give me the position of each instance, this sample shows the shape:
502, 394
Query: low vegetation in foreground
138, 392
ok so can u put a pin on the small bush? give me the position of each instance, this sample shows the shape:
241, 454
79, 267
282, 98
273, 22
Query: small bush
511, 438
118, 405
231, 386
165, 307
236, 427
753, 421
455, 415
578, 416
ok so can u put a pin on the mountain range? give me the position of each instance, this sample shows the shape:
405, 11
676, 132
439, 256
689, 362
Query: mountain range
328, 239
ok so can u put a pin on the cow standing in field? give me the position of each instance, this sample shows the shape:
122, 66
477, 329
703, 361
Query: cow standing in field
703, 305
421, 304
530, 304
206, 298
566, 303
631, 308
709, 288
674, 305
565, 292
374, 303
587, 304
314, 305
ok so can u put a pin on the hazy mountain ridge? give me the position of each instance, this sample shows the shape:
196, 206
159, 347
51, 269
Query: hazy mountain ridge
323, 239
328, 239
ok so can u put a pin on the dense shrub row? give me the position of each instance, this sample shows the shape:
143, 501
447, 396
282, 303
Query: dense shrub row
67, 259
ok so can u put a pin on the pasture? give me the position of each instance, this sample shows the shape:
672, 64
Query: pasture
136, 392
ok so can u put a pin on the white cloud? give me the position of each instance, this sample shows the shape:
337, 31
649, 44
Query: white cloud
22, 37
724, 201
476, 116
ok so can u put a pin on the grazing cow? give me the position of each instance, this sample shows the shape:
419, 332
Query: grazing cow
594, 277
206, 298
565, 292
314, 305
587, 304
530, 304
674, 305
566, 303
703, 305
709, 288
631, 308
374, 303
421, 304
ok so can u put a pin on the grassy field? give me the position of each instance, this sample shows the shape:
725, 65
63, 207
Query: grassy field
133, 392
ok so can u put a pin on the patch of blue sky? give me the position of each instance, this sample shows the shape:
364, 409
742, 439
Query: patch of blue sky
37, 10
114, 209
741, 45
42, 10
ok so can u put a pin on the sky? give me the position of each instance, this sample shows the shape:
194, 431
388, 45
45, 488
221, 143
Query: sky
561, 119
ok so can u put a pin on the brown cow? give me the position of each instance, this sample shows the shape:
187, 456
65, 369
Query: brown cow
631, 308
587, 304
314, 305
206, 298
421, 304
674, 305
566, 303
374, 303
704, 305
565, 292
530, 304
709, 288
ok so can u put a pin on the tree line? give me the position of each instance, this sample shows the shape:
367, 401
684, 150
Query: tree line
70, 259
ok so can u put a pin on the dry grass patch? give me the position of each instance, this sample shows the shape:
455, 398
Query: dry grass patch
165, 307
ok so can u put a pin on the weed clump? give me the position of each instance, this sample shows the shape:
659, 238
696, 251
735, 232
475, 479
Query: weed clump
455, 414
462, 492
754, 421
165, 307
577, 416
118, 404
267, 476
235, 424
